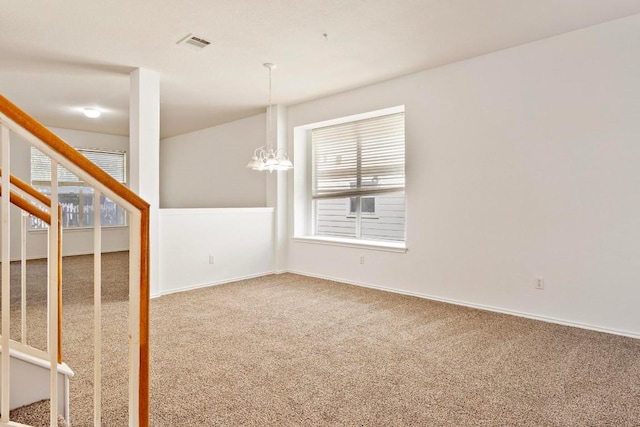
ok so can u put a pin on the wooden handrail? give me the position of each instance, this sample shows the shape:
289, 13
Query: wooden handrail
24, 204
145, 296
35, 128
23, 186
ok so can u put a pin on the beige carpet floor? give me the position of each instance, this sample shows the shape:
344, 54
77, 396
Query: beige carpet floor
289, 350
36, 415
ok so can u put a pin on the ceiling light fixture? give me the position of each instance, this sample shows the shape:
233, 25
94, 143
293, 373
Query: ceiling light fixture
267, 157
92, 113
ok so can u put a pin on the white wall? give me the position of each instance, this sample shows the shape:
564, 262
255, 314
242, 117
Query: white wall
206, 168
74, 241
520, 163
213, 205
239, 240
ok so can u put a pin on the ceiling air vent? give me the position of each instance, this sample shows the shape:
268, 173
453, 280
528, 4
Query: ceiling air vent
195, 41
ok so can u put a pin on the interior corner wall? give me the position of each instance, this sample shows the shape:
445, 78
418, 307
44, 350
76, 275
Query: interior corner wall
74, 241
520, 164
206, 168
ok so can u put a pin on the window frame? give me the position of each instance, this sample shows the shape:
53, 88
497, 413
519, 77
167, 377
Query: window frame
81, 185
304, 226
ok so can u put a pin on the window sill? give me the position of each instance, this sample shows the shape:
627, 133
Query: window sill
399, 247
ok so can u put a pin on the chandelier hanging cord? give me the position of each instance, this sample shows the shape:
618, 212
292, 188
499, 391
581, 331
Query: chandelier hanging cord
268, 136
268, 157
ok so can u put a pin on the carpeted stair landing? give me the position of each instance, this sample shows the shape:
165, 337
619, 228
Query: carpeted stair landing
35, 414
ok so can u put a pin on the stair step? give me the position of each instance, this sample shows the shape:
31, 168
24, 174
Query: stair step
35, 414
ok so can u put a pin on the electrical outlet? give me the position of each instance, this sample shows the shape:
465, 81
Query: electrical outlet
211, 259
539, 284
362, 259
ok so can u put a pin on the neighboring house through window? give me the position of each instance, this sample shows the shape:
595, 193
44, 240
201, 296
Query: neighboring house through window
358, 179
367, 205
74, 195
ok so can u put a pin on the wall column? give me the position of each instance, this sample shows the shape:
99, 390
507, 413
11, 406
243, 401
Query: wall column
277, 190
144, 155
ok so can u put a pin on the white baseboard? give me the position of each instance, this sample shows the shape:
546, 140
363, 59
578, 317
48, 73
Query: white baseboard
479, 306
216, 283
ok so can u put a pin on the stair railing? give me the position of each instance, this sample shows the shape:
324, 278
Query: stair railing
27, 198
17, 121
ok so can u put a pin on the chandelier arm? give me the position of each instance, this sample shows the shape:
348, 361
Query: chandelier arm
260, 152
280, 152
269, 157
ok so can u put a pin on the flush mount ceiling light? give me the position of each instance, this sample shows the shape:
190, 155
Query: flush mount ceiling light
92, 113
267, 157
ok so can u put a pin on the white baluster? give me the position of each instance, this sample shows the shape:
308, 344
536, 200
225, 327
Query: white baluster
53, 294
23, 275
6, 276
134, 317
97, 313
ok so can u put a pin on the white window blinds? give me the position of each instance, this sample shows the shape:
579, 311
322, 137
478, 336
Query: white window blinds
358, 158
112, 162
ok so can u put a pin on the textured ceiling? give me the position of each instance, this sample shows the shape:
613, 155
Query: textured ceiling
59, 56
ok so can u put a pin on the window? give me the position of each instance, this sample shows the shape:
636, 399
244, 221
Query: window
367, 205
74, 195
358, 179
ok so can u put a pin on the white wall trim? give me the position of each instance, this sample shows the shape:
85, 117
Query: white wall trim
191, 211
478, 306
216, 283
63, 368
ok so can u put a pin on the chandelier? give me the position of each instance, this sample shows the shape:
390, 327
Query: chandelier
267, 157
